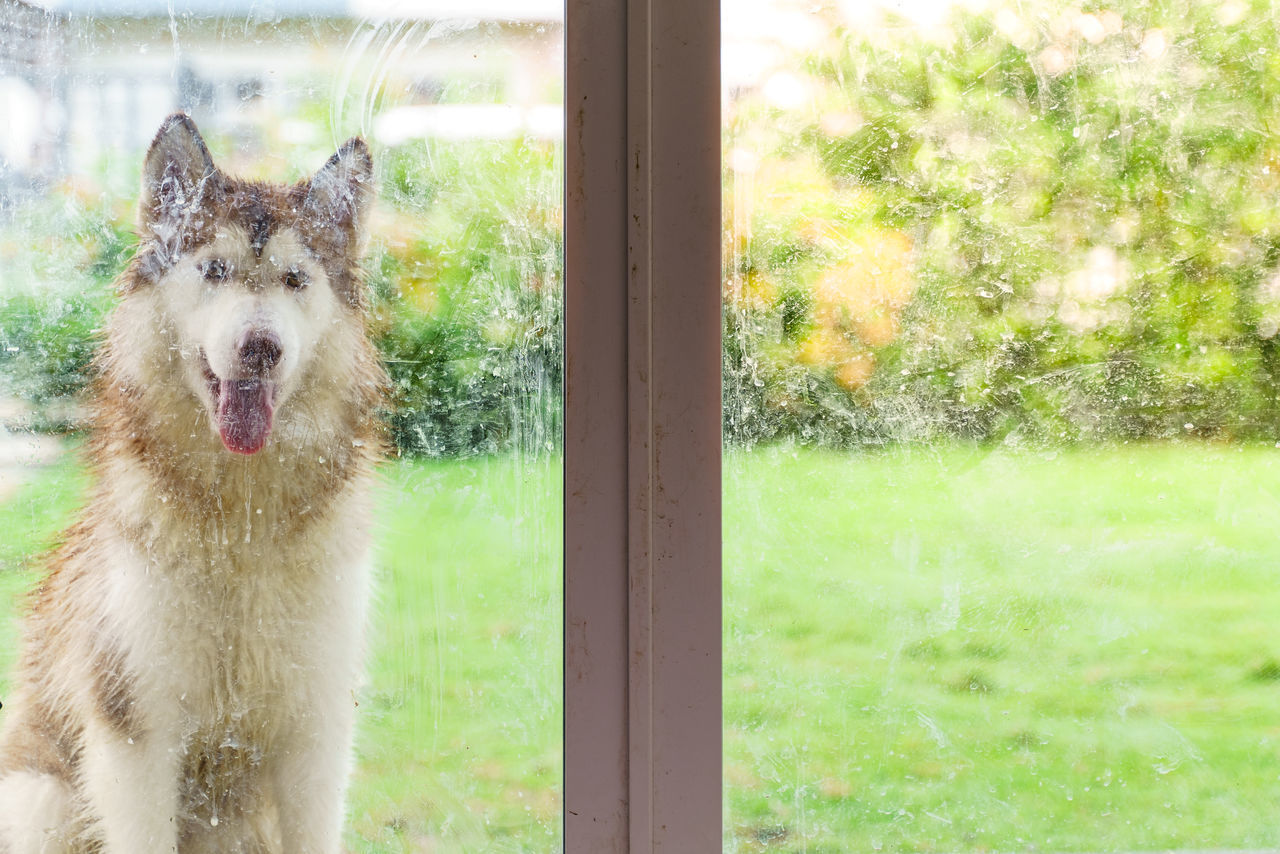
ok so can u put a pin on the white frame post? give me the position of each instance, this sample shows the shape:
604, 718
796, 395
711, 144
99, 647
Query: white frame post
642, 427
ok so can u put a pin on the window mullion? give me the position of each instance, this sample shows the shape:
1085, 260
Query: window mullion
595, 464
642, 463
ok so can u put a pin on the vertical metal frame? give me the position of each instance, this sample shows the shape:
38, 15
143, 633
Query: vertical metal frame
642, 427
595, 462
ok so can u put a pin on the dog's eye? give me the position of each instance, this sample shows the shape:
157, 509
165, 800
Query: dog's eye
294, 279
215, 270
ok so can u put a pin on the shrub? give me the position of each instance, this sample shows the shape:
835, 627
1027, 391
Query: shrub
1084, 201
471, 306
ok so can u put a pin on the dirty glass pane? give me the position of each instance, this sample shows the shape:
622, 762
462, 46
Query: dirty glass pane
1002, 420
280, 463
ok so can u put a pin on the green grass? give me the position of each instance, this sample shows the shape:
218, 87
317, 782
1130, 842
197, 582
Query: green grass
29, 525
461, 739
967, 650
949, 649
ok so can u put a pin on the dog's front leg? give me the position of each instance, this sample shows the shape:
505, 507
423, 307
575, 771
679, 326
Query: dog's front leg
310, 778
131, 782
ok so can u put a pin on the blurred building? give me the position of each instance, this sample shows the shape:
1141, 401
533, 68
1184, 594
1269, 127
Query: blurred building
84, 83
32, 59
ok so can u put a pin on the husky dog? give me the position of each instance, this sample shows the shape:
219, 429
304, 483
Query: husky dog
187, 674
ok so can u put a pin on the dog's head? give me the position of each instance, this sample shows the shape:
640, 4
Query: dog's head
250, 278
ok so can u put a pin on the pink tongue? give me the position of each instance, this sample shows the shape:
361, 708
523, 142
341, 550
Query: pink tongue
244, 414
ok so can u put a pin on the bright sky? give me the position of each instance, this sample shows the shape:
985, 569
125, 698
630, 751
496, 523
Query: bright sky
757, 32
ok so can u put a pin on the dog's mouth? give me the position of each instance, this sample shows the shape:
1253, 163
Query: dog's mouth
243, 409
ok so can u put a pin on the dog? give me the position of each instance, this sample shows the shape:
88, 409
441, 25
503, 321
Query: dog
188, 667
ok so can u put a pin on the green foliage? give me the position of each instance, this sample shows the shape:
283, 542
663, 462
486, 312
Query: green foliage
1089, 203
46, 347
52, 307
472, 297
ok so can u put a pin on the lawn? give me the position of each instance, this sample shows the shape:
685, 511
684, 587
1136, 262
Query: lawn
954, 649
977, 650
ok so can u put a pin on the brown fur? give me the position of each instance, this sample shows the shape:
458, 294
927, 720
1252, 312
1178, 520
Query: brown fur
113, 690
261, 208
49, 743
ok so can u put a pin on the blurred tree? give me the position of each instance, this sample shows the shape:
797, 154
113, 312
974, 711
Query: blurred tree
1053, 224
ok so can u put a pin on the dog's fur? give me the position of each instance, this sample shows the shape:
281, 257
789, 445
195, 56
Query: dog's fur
187, 675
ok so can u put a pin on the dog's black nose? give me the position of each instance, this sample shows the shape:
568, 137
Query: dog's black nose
260, 352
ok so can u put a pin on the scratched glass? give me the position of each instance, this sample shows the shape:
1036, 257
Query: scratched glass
1001, 301
457, 714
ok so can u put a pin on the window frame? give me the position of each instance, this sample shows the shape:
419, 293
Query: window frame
642, 490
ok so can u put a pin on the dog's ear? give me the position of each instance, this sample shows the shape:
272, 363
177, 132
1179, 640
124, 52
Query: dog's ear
177, 178
339, 196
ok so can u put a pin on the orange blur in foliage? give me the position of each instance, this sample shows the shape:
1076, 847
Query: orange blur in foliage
858, 304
